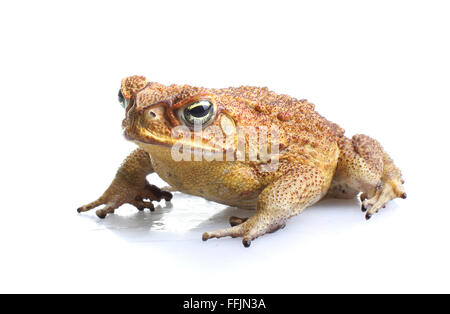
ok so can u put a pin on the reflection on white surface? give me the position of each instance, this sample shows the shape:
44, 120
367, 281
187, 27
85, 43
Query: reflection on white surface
170, 219
187, 215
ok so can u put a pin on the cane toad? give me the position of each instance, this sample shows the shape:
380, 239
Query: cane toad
309, 157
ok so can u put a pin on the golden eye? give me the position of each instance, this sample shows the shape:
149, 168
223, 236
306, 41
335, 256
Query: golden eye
200, 112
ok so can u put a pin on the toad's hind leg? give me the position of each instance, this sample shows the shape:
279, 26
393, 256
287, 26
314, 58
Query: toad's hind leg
365, 167
297, 189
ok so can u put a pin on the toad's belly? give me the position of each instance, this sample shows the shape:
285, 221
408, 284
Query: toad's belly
229, 183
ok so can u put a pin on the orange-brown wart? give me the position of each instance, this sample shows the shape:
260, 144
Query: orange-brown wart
315, 158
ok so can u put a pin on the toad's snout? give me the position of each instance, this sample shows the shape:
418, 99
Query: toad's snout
148, 123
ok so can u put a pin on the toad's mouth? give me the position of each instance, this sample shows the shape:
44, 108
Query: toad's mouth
150, 139
144, 136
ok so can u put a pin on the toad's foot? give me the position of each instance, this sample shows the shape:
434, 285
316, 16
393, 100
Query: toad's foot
115, 197
383, 193
130, 186
235, 221
245, 229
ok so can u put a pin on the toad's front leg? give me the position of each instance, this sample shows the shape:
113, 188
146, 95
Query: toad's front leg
284, 198
129, 186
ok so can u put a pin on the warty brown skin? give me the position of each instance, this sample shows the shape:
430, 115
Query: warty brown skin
315, 158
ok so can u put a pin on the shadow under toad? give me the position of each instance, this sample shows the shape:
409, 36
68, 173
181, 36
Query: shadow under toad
174, 221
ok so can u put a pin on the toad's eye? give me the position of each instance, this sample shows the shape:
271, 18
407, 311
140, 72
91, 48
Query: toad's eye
198, 113
122, 100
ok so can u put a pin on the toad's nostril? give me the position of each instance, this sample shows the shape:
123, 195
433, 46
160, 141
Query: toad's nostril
151, 114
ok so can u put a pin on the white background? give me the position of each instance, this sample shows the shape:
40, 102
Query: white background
379, 68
